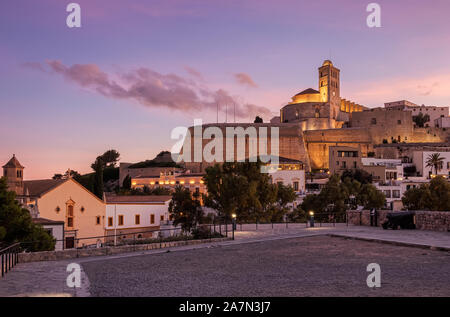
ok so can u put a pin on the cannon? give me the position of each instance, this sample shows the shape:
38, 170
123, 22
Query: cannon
404, 220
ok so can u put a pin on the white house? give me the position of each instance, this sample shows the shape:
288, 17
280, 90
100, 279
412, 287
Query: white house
393, 191
54, 228
420, 161
136, 216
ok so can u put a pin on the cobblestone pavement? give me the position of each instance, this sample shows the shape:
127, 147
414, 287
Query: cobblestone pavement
41, 279
410, 237
49, 278
309, 266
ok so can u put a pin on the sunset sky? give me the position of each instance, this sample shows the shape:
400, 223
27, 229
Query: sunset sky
137, 69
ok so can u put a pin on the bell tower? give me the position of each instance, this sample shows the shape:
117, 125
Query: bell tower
329, 87
13, 171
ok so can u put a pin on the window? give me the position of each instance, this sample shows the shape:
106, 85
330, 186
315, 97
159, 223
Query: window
373, 121
354, 164
97, 220
387, 193
152, 218
161, 218
120, 220
137, 219
344, 164
110, 221
337, 163
317, 113
399, 121
396, 193
296, 186
70, 216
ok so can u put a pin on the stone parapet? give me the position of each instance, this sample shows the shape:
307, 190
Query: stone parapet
79, 253
425, 220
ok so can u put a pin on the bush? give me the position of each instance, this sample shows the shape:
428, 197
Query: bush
204, 232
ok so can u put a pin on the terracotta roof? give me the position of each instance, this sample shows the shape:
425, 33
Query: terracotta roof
13, 162
41, 186
307, 92
45, 221
137, 199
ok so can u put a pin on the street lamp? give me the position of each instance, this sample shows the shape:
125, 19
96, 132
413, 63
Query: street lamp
233, 216
311, 219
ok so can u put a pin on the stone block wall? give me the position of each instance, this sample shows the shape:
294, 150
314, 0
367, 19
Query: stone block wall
433, 220
363, 217
425, 220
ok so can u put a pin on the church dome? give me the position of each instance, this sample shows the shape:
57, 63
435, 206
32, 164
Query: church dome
307, 95
308, 91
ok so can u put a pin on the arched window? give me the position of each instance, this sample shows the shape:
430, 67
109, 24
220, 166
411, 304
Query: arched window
317, 113
70, 216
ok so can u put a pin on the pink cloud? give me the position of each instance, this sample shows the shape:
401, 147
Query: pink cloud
150, 88
193, 72
245, 79
430, 90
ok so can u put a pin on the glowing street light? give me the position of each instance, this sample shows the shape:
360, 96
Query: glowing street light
311, 219
233, 216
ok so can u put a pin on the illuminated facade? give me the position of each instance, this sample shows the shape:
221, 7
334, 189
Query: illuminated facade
192, 181
323, 108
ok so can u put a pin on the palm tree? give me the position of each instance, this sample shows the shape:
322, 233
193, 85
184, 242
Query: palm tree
435, 160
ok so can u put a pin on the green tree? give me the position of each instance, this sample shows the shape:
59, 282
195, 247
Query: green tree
434, 196
258, 119
185, 209
16, 224
109, 158
98, 177
127, 182
360, 175
370, 197
297, 215
435, 161
285, 196
226, 189
421, 119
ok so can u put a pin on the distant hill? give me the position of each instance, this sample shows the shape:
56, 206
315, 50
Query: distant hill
163, 159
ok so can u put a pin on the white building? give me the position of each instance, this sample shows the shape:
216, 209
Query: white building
383, 170
393, 191
432, 111
136, 216
420, 161
54, 228
442, 122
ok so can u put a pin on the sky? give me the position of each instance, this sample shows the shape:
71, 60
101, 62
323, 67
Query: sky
136, 69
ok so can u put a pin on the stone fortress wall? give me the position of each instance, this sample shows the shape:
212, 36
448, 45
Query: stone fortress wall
316, 119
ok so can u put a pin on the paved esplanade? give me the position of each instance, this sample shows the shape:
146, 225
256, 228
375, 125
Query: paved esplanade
302, 246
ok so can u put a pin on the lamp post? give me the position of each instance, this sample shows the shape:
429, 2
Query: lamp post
115, 225
311, 219
233, 216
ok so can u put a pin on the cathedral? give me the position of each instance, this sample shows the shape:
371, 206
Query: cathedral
323, 108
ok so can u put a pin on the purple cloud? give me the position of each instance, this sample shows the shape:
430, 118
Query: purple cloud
245, 79
150, 88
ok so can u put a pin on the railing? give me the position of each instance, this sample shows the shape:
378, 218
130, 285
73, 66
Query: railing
214, 230
319, 219
10, 257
